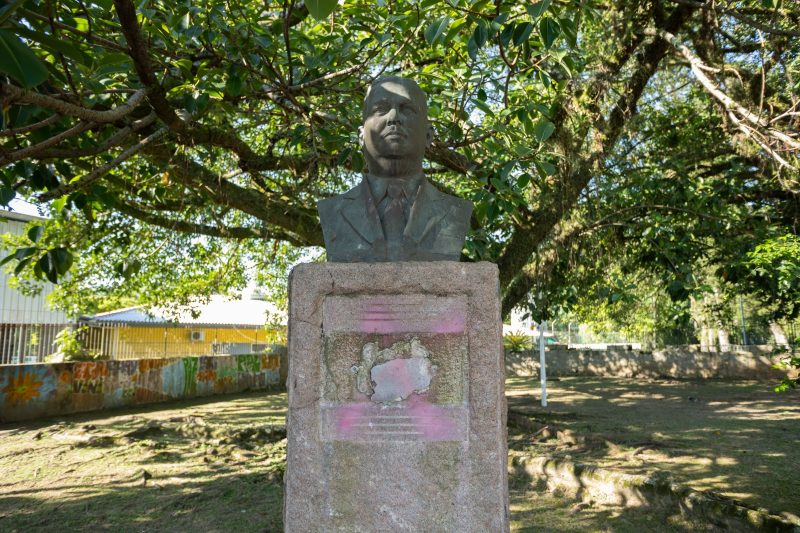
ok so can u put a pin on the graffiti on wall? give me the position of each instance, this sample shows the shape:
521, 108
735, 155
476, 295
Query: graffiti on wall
21, 388
89, 377
24, 384
31, 391
190, 376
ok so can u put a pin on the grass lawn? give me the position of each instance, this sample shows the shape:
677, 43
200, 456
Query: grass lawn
217, 464
738, 438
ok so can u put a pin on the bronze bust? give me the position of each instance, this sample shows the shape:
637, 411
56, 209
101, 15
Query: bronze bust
394, 214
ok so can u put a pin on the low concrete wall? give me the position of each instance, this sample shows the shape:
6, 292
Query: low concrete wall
686, 362
41, 390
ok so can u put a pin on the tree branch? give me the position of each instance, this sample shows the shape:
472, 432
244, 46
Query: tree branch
576, 175
102, 170
737, 113
221, 231
31, 127
299, 221
114, 140
87, 35
32, 151
739, 15
137, 49
65, 108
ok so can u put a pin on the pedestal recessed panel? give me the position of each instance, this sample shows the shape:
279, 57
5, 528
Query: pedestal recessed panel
396, 410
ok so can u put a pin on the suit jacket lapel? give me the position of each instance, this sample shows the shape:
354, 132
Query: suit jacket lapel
360, 212
425, 213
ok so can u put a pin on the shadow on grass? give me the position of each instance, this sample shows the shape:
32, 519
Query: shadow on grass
734, 437
220, 500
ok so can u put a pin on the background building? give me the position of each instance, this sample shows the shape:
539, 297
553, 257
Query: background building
219, 326
28, 325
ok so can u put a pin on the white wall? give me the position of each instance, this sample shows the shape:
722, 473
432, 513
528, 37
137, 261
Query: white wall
14, 307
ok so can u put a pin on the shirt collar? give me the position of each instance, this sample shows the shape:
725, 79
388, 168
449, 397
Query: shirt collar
378, 186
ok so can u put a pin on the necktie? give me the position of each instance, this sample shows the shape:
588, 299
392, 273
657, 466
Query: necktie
394, 217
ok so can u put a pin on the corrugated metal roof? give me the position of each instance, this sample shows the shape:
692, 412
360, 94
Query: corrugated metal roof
220, 310
19, 209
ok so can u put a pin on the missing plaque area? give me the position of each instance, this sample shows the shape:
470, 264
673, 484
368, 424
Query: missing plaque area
414, 389
393, 374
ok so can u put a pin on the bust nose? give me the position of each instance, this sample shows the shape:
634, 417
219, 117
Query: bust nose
393, 117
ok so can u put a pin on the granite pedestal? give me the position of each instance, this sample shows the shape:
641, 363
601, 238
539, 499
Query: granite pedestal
396, 416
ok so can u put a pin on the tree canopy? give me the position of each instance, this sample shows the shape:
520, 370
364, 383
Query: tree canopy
174, 142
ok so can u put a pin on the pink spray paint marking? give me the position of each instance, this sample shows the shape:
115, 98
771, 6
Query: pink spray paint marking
451, 322
432, 420
384, 316
415, 419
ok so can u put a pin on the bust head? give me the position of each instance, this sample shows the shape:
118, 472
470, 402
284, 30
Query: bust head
396, 130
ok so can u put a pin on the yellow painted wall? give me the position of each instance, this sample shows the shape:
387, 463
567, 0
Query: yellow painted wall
130, 342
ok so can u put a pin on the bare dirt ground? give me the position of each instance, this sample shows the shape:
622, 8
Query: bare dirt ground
217, 465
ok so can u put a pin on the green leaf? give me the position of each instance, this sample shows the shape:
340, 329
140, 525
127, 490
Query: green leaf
508, 31
455, 26
527, 123
6, 195
543, 130
21, 265
46, 265
483, 106
35, 232
320, 9
472, 48
535, 10
545, 168
507, 168
59, 204
436, 30
522, 32
19, 61
522, 150
570, 32
63, 259
55, 263
128, 268
549, 30
20, 254
480, 34
234, 86
56, 45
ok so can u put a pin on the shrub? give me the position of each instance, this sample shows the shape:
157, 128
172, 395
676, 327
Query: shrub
517, 342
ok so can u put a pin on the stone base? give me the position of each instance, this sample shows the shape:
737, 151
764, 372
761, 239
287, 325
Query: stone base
397, 418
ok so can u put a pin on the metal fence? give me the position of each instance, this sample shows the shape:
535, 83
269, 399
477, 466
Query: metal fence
35, 343
27, 343
121, 341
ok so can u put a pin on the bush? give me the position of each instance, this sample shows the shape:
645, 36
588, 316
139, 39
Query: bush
788, 362
517, 342
69, 347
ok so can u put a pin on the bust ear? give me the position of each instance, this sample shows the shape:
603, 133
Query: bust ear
361, 136
429, 136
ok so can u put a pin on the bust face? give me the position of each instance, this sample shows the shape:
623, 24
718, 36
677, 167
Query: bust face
396, 131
